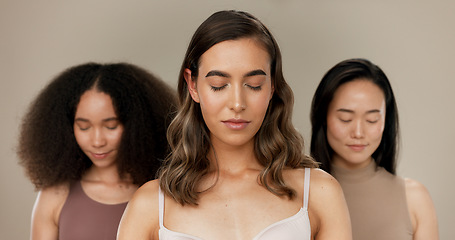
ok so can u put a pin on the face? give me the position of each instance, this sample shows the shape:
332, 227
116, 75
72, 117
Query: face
355, 123
97, 128
234, 88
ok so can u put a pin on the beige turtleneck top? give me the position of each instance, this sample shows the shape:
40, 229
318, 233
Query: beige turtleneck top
377, 203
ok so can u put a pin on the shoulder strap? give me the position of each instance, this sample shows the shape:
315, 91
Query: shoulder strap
306, 188
161, 206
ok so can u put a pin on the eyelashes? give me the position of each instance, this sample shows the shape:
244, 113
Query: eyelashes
254, 88
257, 88
374, 121
368, 121
215, 89
107, 127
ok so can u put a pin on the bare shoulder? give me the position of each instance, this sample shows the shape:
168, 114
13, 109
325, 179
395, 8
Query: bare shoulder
324, 190
327, 207
417, 195
46, 211
415, 187
57, 190
320, 181
421, 210
146, 197
324, 183
140, 219
147, 188
51, 199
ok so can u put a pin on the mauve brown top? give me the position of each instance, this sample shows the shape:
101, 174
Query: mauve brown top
83, 218
377, 203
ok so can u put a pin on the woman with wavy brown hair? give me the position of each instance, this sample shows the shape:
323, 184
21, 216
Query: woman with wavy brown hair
91, 137
237, 168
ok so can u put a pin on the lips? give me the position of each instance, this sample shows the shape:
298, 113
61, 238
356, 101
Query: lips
357, 147
236, 124
100, 155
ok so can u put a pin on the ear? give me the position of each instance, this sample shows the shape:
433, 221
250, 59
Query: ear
192, 87
271, 92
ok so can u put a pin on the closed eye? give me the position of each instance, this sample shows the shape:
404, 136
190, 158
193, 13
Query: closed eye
345, 121
217, 88
255, 88
111, 123
374, 121
82, 124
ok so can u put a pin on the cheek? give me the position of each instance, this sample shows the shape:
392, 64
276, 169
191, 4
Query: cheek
259, 108
376, 132
80, 138
259, 102
210, 103
116, 136
336, 130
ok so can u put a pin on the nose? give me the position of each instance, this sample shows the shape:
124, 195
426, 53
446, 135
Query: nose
358, 129
98, 138
237, 101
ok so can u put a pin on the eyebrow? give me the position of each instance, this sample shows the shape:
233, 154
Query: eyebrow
351, 111
226, 75
104, 120
255, 73
217, 73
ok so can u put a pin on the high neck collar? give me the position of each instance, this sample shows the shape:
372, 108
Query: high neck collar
354, 175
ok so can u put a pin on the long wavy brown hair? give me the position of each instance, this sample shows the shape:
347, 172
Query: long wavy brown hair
278, 145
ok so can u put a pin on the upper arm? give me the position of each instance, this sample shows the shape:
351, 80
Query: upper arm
422, 211
141, 217
328, 209
46, 213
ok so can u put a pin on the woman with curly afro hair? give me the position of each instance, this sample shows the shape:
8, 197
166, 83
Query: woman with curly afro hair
91, 137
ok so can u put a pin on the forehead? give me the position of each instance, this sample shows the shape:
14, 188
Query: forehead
235, 53
95, 102
358, 93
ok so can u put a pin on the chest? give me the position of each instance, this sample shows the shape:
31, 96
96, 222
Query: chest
83, 218
375, 206
238, 215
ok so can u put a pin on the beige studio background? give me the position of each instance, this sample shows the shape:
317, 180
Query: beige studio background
412, 40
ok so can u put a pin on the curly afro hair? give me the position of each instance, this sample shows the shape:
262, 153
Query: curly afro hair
144, 104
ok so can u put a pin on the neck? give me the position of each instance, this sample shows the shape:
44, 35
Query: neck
103, 174
337, 161
234, 158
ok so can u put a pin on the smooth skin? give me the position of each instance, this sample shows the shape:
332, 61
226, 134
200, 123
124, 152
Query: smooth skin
355, 123
98, 133
234, 88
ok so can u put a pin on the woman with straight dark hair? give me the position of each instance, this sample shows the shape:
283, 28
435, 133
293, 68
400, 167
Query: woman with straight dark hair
92, 136
237, 168
355, 134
